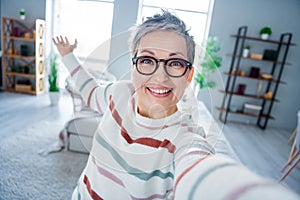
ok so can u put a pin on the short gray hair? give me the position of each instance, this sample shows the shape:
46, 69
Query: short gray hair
162, 22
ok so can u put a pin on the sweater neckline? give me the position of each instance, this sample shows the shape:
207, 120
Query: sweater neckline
151, 123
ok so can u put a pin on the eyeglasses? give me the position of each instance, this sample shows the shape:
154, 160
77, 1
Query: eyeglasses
174, 67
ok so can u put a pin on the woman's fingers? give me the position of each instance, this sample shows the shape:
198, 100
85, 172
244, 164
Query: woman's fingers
75, 44
63, 41
67, 41
54, 41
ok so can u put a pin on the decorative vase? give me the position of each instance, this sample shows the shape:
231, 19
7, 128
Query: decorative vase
241, 89
54, 98
246, 53
264, 36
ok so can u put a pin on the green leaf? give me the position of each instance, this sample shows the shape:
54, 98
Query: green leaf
209, 63
53, 74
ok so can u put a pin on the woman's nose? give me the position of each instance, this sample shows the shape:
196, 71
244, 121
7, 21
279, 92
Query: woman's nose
161, 75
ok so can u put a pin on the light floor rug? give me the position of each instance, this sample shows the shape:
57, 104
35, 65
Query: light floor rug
27, 174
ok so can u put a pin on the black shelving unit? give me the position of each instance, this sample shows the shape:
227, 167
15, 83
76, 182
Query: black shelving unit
276, 66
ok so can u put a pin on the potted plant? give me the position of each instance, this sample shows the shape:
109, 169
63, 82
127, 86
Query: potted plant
246, 51
265, 32
204, 81
22, 13
53, 81
209, 63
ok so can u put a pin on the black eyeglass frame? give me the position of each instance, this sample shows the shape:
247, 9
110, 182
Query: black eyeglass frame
165, 61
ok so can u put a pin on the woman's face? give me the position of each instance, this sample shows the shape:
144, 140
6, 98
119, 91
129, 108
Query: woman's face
159, 93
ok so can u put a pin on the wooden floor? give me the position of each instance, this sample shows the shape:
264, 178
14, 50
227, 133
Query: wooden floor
263, 151
19, 111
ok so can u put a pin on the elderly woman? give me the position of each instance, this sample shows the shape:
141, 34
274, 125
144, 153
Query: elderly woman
145, 147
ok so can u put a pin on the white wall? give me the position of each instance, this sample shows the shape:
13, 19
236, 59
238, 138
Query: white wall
282, 16
34, 8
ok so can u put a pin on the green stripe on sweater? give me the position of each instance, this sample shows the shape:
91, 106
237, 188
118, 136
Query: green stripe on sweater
205, 174
85, 83
131, 170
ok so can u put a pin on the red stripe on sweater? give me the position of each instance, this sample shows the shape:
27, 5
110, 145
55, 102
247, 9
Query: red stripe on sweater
75, 70
246, 189
144, 141
187, 170
107, 174
90, 96
92, 193
114, 112
97, 103
115, 179
98, 106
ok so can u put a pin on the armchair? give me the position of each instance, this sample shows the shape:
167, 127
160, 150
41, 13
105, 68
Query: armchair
80, 130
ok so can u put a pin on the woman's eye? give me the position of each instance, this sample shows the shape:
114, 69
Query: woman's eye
177, 64
146, 61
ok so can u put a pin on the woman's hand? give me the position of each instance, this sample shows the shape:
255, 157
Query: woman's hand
63, 45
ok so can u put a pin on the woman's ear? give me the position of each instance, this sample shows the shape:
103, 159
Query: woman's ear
191, 75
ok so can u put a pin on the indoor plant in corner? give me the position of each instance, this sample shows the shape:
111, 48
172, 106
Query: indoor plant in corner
206, 78
53, 81
209, 63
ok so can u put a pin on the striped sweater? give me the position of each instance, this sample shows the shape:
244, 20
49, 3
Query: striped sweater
134, 157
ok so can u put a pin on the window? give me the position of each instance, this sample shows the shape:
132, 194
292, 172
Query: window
90, 22
195, 13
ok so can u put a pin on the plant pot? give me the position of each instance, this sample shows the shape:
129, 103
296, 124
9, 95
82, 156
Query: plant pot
54, 98
246, 53
264, 36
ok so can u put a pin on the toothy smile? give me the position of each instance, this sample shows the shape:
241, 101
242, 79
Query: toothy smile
159, 91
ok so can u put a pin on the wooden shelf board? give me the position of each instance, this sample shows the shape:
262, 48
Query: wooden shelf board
261, 40
20, 38
261, 79
21, 74
18, 19
20, 57
27, 92
248, 96
270, 61
246, 114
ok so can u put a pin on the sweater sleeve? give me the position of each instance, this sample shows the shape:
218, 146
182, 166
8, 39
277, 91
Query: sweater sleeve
94, 95
220, 177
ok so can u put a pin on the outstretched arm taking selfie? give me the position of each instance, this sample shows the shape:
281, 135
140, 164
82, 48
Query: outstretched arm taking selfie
220, 177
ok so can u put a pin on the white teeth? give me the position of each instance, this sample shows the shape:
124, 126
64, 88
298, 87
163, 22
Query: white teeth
159, 91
